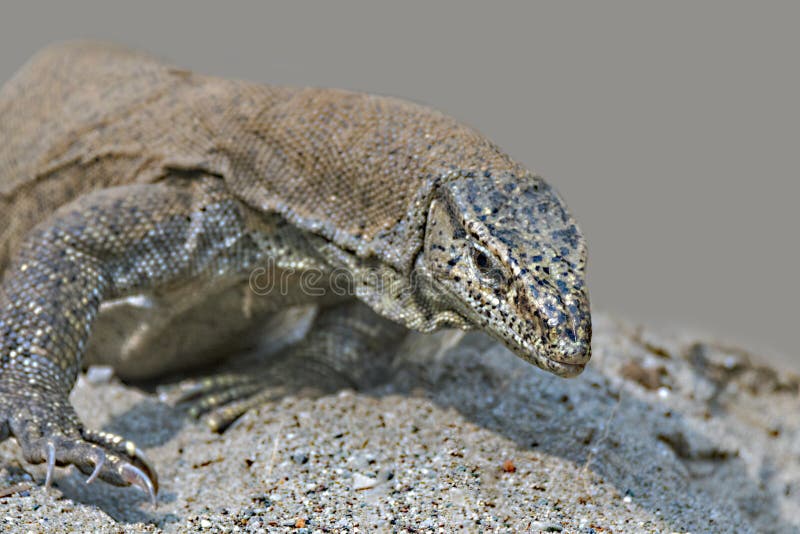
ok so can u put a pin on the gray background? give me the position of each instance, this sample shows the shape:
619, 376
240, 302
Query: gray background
672, 130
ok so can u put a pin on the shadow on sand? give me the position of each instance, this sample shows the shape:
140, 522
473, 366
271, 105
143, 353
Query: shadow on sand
643, 450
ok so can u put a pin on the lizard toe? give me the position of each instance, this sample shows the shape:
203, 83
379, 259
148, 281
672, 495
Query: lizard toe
226, 400
133, 457
213, 400
220, 418
223, 394
192, 390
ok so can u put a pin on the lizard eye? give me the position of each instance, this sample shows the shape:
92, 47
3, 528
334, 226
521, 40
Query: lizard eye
481, 259
488, 269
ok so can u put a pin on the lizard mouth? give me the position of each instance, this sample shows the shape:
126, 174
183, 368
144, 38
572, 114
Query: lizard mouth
568, 365
569, 360
565, 370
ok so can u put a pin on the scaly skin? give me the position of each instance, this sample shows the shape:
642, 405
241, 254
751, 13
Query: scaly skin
139, 201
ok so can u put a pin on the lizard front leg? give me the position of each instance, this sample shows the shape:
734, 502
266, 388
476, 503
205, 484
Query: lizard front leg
347, 345
107, 244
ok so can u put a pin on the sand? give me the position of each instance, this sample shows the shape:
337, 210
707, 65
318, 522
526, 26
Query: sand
664, 432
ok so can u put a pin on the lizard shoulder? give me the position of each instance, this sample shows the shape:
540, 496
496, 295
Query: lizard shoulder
356, 169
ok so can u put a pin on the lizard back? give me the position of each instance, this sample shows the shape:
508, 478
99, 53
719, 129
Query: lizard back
354, 168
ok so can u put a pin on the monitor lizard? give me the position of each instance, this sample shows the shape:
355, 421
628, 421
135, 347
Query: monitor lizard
151, 217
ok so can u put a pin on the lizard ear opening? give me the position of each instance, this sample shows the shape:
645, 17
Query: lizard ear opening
445, 237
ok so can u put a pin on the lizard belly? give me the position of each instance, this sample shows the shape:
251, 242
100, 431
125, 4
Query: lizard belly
144, 336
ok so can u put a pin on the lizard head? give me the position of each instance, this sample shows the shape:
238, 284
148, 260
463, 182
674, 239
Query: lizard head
506, 250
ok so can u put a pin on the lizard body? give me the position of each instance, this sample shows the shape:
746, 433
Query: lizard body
137, 201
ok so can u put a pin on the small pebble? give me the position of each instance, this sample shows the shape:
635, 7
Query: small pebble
547, 527
99, 374
361, 482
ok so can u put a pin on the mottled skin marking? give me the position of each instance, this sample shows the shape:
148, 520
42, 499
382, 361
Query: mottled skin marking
137, 201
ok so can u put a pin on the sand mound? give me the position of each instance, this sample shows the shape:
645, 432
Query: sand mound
664, 432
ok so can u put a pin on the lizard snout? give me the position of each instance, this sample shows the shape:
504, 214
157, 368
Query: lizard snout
566, 334
576, 352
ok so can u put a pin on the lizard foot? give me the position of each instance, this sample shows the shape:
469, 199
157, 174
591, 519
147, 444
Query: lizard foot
225, 398
50, 432
345, 348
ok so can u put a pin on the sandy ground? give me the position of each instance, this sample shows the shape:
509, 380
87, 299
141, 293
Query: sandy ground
664, 432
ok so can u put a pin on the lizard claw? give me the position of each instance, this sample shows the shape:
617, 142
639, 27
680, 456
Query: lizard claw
136, 477
145, 465
97, 467
127, 449
51, 464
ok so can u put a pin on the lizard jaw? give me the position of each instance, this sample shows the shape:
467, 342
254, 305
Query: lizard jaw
552, 364
567, 362
565, 370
